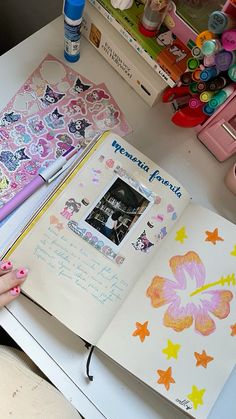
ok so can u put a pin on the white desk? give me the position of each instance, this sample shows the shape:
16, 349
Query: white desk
60, 354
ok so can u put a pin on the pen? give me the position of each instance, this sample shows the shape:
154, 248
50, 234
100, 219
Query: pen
45, 176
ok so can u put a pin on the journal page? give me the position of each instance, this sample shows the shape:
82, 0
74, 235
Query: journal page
177, 328
90, 244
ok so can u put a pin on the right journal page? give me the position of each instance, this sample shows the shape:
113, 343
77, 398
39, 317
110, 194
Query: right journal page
177, 328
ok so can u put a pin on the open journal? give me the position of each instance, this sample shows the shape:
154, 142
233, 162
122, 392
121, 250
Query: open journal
121, 256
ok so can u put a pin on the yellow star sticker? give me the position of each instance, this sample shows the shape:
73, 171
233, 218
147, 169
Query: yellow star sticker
171, 350
181, 235
233, 253
196, 396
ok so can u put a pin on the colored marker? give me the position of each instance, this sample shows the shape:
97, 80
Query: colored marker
221, 96
209, 60
204, 36
186, 78
197, 52
228, 40
207, 110
224, 59
219, 22
217, 84
211, 47
196, 74
192, 64
201, 86
206, 96
193, 87
209, 73
232, 72
194, 102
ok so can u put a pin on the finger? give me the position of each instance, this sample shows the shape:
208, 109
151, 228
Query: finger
9, 296
5, 266
12, 279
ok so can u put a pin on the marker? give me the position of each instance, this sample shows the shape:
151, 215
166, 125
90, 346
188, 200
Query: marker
211, 47
201, 86
186, 78
219, 21
197, 52
196, 74
194, 102
207, 110
217, 84
224, 59
232, 72
209, 73
221, 96
209, 60
192, 64
206, 96
204, 36
193, 87
228, 40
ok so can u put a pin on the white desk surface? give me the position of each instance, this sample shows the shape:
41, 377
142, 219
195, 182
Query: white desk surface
114, 393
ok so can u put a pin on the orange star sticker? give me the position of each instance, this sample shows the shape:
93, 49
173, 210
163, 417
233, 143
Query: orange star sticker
166, 378
213, 236
233, 327
202, 359
141, 331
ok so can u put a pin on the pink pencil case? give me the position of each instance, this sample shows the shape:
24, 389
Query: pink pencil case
218, 133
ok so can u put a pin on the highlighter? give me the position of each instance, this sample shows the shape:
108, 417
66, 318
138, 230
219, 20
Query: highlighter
221, 96
209, 73
228, 40
201, 86
212, 46
194, 102
206, 96
193, 87
232, 72
197, 52
217, 84
204, 36
207, 110
196, 74
224, 59
209, 60
219, 22
186, 78
192, 64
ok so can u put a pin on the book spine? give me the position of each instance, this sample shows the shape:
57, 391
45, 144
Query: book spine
131, 41
110, 49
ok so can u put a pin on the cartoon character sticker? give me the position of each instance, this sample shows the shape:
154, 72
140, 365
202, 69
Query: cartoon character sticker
50, 97
106, 119
75, 106
143, 243
9, 118
96, 95
4, 183
36, 125
55, 119
71, 206
78, 127
11, 160
20, 135
64, 144
80, 87
42, 148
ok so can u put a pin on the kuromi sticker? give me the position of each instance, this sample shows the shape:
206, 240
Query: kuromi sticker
78, 127
55, 119
12, 160
51, 96
80, 87
143, 243
9, 119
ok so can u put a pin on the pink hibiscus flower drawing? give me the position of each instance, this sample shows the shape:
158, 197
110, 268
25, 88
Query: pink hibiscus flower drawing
189, 298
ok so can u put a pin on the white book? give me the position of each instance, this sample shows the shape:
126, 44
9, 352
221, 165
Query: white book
111, 45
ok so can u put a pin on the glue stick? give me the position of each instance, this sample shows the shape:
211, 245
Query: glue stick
73, 10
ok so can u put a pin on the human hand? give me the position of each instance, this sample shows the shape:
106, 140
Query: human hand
10, 282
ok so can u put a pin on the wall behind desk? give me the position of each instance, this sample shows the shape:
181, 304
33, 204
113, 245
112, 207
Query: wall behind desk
21, 18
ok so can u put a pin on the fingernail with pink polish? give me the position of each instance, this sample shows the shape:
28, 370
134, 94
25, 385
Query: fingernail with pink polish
6, 265
15, 291
21, 273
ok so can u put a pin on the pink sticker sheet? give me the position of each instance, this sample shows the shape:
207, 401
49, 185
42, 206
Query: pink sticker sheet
56, 108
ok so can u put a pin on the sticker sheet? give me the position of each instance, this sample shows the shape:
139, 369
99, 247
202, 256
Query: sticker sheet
55, 109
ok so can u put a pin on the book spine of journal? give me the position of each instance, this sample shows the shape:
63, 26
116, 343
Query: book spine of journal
121, 56
133, 43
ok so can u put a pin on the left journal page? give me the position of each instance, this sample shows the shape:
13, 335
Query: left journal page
89, 244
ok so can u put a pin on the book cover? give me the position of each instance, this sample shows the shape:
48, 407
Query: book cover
123, 258
121, 56
165, 51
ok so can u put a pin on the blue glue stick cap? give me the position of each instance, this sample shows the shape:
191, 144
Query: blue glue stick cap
73, 9
209, 73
